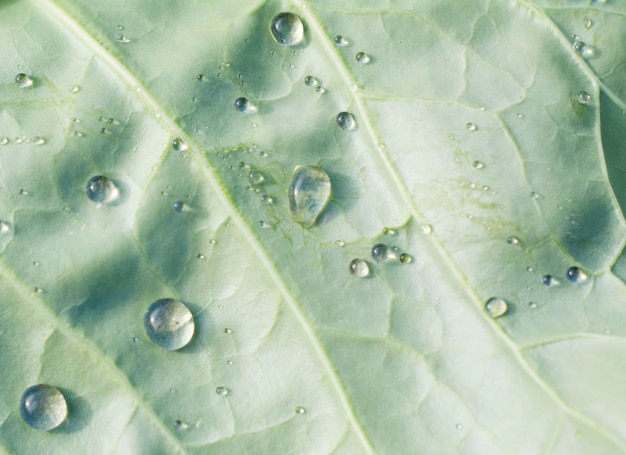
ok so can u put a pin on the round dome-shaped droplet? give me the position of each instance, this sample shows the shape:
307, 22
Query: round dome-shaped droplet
23, 80
311, 81
179, 145
102, 189
380, 252
222, 391
340, 41
178, 206
359, 268
496, 307
346, 121
243, 105
300, 410
583, 97
406, 258
576, 275
287, 29
478, 164
255, 177
309, 192
362, 58
169, 324
43, 407
513, 240
549, 280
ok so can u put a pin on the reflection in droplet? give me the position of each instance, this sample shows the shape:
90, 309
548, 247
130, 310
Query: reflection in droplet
581, 47
5, 227
43, 407
406, 258
23, 80
426, 229
310, 81
359, 268
346, 121
576, 275
309, 192
478, 164
496, 307
287, 29
587, 23
362, 58
169, 324
102, 189
255, 177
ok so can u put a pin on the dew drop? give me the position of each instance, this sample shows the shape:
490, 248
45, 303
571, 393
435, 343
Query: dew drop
4, 140
222, 391
359, 268
496, 307
346, 121
362, 58
583, 97
320, 89
587, 23
179, 145
426, 229
267, 199
287, 29
38, 140
75, 89
200, 256
340, 41
243, 105
389, 231
513, 240
23, 80
309, 192
121, 38
549, 280
478, 164
178, 206
180, 425
169, 324
228, 330
311, 81
581, 47
471, 127
300, 410
102, 190
532, 305
5, 227
380, 252
43, 407
576, 275
255, 178
406, 258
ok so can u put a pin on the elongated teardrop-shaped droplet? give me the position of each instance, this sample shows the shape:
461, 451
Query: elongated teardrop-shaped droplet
287, 29
576, 275
346, 121
496, 307
309, 192
169, 324
359, 268
102, 189
23, 80
43, 407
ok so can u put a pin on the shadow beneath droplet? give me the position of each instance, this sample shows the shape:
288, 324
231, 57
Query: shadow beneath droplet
343, 197
79, 413
124, 193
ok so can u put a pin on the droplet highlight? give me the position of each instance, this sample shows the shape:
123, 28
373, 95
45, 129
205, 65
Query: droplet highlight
513, 240
309, 192
496, 307
549, 280
300, 410
576, 275
359, 268
23, 80
169, 324
287, 29
346, 121
406, 258
102, 190
43, 407
478, 164
255, 178
178, 206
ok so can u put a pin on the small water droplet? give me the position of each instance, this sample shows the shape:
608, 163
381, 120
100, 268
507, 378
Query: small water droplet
178, 206
222, 391
406, 258
38, 140
228, 330
320, 89
267, 199
200, 256
581, 47
471, 127
362, 58
549, 280
389, 231
5, 227
121, 38
43, 407
243, 105
4, 140
309, 192
287, 29
36, 263
587, 23
426, 229
478, 164
346, 121
340, 243
513, 240
23, 80
583, 97
300, 410
255, 177
229, 362
179, 145
532, 305
102, 190
213, 242
458, 426
518, 115
359, 268
576, 275
200, 77
169, 324
496, 307
310, 81
340, 41
38, 290
380, 252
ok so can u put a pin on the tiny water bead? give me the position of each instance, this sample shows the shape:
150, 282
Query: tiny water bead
587, 23
549, 280
169, 324
43, 407
121, 38
300, 410
576, 275
309, 192
178, 206
496, 307
346, 121
222, 391
426, 229
583, 97
23, 80
179, 145
581, 47
406, 258
380, 252
359, 268
101, 189
471, 127
255, 178
362, 58
478, 164
311, 81
513, 240
244, 106
340, 41
287, 29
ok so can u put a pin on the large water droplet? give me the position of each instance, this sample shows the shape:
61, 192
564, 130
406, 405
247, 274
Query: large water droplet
359, 268
309, 192
300, 410
169, 324
178, 206
102, 189
43, 407
496, 307
311, 81
576, 275
362, 58
346, 121
581, 47
287, 29
23, 80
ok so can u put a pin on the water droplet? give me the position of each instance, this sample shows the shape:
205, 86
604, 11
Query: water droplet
133, 340
169, 324
496, 307
180, 425
389, 231
178, 206
513, 240
179, 145
287, 29
471, 127
38, 140
267, 199
359, 268
549, 280
576, 275
583, 97
227, 330
478, 164
340, 41
458, 426
362, 58
310, 81
346, 121
320, 89
426, 229
587, 23
380, 252
36, 263
532, 305
38, 290
340, 243
581, 47
43, 407
75, 89
5, 227
222, 391
300, 410
243, 105
121, 38
23, 80
406, 258
255, 178
4, 140
101, 189
200, 256
200, 77
309, 192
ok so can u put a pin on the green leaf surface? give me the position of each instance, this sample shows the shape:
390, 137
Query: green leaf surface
472, 154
